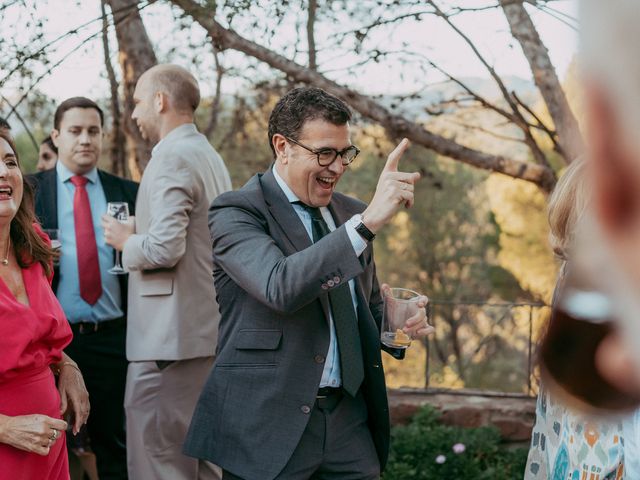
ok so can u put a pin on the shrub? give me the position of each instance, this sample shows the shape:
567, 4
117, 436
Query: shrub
426, 450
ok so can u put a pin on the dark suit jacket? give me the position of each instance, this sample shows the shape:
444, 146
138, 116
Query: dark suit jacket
274, 331
116, 189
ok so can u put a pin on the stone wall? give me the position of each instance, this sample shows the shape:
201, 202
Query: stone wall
512, 414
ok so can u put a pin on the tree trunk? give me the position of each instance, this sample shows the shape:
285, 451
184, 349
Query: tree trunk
366, 106
136, 56
311, 39
544, 75
118, 154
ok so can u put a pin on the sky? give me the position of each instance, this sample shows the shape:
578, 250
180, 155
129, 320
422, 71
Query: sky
82, 73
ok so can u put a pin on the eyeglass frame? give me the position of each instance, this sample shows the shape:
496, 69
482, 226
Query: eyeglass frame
320, 150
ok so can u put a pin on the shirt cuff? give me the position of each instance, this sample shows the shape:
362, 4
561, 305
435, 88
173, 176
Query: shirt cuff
359, 244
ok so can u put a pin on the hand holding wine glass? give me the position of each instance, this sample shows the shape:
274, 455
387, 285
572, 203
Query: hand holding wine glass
119, 211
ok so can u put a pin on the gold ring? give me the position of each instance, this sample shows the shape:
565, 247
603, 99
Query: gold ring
54, 435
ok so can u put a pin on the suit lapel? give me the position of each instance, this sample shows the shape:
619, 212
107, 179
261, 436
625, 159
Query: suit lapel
112, 191
283, 212
49, 199
288, 219
338, 212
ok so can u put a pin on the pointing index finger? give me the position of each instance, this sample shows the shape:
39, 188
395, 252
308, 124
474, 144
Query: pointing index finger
394, 157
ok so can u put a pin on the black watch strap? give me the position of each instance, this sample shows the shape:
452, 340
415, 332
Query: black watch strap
364, 232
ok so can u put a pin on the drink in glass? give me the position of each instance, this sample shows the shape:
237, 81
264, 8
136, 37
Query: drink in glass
119, 211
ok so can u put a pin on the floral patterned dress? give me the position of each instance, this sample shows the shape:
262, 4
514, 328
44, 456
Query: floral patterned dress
566, 445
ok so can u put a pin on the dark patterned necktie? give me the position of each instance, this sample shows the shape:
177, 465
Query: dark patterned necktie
344, 318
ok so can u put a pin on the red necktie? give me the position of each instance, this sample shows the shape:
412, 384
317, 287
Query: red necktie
87, 250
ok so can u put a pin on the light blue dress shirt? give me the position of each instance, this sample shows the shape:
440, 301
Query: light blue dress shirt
75, 308
331, 376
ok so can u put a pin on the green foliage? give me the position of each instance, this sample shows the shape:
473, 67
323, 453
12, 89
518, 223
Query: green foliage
27, 152
415, 447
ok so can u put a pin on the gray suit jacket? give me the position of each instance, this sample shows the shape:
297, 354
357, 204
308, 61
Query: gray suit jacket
173, 314
274, 332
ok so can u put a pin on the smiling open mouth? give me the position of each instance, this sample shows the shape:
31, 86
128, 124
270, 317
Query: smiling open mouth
5, 193
326, 182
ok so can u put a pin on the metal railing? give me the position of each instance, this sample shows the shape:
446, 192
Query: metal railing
477, 345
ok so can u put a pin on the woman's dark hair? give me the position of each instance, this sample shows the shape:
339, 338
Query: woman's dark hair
28, 245
47, 141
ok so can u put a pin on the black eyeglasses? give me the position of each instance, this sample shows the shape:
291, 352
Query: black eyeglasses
326, 156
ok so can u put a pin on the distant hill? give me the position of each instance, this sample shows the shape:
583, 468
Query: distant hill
413, 107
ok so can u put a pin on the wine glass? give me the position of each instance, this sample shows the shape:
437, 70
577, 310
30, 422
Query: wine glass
119, 211
54, 237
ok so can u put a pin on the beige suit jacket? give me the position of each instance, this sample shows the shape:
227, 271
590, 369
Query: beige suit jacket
173, 314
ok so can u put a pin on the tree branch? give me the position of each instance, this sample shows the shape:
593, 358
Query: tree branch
520, 121
228, 39
544, 75
215, 104
117, 135
311, 40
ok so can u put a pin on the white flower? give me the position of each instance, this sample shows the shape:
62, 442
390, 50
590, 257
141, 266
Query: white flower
441, 459
459, 448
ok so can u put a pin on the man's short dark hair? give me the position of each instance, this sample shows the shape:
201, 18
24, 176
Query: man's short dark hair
301, 105
4, 124
75, 102
49, 143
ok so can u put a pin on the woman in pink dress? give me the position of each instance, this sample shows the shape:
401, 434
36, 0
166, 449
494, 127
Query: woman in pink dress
33, 332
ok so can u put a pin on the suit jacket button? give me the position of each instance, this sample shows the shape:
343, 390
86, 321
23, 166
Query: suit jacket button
336, 280
319, 359
330, 283
325, 286
305, 409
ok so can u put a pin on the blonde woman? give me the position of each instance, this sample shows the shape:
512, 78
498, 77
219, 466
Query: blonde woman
564, 444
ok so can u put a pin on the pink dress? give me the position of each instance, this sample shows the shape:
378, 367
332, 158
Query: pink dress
31, 338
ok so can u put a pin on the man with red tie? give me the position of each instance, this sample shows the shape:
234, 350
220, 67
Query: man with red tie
71, 198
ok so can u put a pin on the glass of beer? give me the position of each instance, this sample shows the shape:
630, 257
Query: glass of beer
400, 304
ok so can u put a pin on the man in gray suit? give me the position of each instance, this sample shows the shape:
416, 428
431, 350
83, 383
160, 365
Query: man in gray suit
298, 390
173, 315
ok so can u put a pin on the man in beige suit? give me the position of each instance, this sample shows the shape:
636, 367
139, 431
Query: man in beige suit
173, 315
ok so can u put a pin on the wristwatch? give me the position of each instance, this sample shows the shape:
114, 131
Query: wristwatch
361, 228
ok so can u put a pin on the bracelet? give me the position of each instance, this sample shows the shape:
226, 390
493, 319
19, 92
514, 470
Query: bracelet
58, 368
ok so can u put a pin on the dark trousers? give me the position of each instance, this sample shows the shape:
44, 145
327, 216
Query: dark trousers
101, 358
336, 444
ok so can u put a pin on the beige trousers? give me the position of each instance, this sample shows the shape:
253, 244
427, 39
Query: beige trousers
159, 404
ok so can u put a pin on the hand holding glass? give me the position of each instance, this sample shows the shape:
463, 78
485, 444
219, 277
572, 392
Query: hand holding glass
119, 211
400, 304
54, 236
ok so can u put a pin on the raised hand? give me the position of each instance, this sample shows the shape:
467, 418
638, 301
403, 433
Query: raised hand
394, 189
